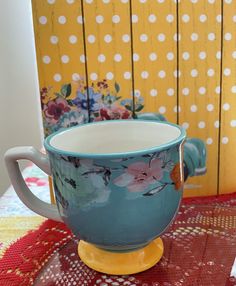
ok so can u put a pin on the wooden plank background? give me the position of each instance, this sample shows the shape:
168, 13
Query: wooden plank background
175, 58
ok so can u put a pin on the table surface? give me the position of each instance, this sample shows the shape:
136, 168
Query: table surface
199, 248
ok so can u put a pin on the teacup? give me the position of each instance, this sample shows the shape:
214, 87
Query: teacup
118, 184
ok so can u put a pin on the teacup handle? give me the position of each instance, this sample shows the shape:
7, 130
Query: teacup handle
24, 193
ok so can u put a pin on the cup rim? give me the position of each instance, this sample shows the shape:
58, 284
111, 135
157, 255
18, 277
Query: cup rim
159, 148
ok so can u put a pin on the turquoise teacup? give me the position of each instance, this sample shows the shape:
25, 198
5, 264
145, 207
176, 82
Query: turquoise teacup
118, 184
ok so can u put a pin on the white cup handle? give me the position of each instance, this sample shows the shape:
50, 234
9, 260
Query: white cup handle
27, 197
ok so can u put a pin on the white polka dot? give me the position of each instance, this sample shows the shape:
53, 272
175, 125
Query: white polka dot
72, 39
194, 1
193, 108
93, 76
226, 106
217, 90
228, 1
91, 39
101, 58
202, 90
211, 1
144, 74
216, 124
211, 36
106, 1
177, 73
89, 1
185, 91
135, 57
233, 123
76, 76
194, 37
125, 38
210, 72
117, 57
142, 1
194, 73
202, 18
124, 1
177, 109
227, 71
43, 20
54, 40
185, 18
99, 19
153, 92
62, 20
107, 38
153, 56
82, 58
46, 59
218, 55
233, 89
209, 141
57, 77
210, 107
134, 18
185, 56
137, 92
162, 109
152, 18
161, 37
109, 75
143, 37
116, 19
170, 91
201, 124
234, 18
177, 37
225, 140
162, 74
202, 55
170, 56
218, 18
65, 59
170, 18
160, 1
70, 1
228, 36
80, 19
185, 125
127, 75
51, 1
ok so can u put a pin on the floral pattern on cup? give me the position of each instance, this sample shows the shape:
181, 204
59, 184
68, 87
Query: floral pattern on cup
70, 106
150, 176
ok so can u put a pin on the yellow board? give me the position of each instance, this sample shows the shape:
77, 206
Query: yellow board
227, 179
154, 55
199, 83
106, 54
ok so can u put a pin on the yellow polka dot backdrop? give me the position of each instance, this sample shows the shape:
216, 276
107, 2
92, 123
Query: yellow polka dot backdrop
112, 59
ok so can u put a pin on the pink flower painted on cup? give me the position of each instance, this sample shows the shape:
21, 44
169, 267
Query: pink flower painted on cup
55, 108
139, 175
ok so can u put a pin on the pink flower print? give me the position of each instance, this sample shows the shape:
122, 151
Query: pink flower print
140, 175
55, 108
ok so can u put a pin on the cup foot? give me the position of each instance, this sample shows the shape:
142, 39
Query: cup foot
121, 263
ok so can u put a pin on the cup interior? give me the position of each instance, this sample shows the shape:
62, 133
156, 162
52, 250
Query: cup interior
115, 137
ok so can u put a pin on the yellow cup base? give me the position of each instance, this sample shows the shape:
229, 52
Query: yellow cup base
121, 263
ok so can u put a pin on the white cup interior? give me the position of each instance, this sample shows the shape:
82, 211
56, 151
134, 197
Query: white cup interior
111, 137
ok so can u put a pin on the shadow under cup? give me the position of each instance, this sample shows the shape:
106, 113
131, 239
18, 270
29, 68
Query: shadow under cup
118, 184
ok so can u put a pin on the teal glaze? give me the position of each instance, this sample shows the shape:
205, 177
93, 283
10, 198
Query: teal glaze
194, 150
118, 202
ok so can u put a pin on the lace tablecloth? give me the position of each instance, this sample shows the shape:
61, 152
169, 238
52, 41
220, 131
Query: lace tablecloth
199, 248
